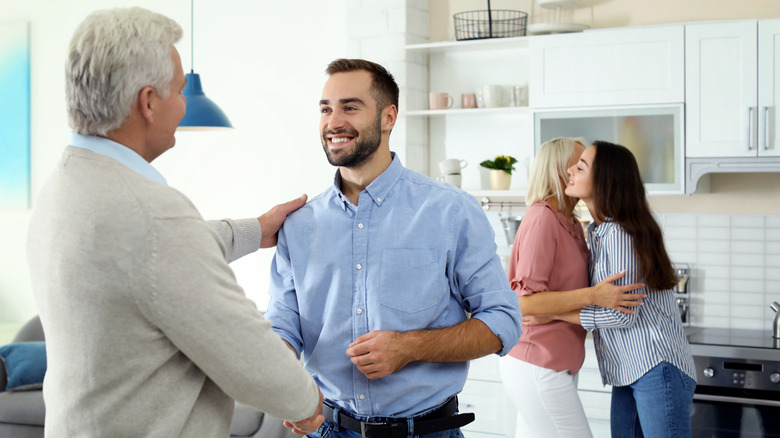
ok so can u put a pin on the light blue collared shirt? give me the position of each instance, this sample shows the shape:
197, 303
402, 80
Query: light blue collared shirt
630, 345
123, 154
414, 254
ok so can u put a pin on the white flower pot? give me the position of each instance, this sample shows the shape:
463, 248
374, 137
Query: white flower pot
499, 180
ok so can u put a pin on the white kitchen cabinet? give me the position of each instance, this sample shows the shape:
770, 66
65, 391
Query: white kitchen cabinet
733, 87
732, 92
768, 87
478, 134
485, 396
595, 397
621, 66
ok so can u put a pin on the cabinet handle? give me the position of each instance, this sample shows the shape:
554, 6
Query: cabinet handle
750, 128
766, 128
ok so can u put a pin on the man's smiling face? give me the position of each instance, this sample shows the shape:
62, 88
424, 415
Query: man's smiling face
350, 122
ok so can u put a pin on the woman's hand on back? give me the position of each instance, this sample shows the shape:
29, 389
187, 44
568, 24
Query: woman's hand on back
537, 320
607, 294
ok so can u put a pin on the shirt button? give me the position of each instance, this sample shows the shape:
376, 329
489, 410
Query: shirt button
362, 396
359, 311
358, 266
378, 199
360, 225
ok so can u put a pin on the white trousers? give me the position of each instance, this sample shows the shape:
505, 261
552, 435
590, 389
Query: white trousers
547, 402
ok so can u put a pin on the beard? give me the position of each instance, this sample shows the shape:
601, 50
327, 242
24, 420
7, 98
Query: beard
366, 144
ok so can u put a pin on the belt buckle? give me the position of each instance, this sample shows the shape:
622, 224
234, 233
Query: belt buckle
364, 424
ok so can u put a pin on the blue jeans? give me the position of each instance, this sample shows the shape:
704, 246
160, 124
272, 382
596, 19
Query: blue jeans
329, 429
658, 405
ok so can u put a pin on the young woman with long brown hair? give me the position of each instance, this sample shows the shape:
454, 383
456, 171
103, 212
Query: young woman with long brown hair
644, 356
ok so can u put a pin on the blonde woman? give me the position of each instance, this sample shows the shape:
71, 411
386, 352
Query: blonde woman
549, 271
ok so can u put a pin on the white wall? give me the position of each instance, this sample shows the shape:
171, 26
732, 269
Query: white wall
607, 13
263, 62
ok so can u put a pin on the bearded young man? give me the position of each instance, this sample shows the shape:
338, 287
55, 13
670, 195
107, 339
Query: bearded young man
373, 279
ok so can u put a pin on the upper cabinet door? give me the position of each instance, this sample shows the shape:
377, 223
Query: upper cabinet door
768, 87
721, 89
623, 66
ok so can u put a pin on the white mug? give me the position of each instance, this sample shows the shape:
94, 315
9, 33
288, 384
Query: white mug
453, 178
451, 166
519, 95
492, 96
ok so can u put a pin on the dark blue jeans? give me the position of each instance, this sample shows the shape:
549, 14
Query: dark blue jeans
656, 405
330, 430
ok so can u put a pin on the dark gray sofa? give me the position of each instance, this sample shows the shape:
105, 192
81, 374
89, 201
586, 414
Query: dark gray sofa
22, 413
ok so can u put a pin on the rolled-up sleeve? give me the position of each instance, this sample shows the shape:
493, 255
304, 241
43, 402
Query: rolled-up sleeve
480, 278
283, 304
533, 254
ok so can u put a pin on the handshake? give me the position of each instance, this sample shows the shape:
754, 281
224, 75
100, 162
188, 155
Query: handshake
307, 425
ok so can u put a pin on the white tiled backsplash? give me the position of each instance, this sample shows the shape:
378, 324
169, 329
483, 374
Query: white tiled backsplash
734, 260
735, 266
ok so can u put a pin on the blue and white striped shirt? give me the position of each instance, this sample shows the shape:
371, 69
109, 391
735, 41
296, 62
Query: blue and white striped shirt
628, 346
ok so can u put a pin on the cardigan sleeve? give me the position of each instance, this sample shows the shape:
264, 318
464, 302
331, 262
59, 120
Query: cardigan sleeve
240, 236
196, 302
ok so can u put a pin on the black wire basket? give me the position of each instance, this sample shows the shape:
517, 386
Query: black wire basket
490, 23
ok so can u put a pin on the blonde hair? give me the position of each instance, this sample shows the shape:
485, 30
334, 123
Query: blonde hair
114, 54
549, 166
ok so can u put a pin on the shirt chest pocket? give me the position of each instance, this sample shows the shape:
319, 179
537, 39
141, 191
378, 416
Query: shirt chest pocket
410, 280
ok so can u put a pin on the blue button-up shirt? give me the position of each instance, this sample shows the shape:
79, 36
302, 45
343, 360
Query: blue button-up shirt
414, 254
123, 154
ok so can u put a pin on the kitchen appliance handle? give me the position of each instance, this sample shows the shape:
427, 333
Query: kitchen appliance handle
740, 400
766, 128
749, 129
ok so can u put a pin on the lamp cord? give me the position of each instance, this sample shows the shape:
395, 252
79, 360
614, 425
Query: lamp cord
192, 36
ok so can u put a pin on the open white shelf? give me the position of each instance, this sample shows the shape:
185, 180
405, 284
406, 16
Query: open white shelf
468, 111
498, 195
481, 44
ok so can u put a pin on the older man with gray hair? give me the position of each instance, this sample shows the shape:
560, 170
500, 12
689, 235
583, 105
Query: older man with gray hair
148, 333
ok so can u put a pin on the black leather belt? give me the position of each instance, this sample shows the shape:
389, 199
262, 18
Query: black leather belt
436, 421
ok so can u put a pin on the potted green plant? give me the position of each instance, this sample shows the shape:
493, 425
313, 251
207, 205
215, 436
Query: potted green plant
501, 169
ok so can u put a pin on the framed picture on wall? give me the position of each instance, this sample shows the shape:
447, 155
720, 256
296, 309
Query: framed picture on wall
14, 116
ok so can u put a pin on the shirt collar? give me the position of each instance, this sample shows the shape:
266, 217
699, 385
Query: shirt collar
601, 229
121, 153
381, 186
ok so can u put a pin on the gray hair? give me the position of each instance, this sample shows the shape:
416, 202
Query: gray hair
112, 56
549, 166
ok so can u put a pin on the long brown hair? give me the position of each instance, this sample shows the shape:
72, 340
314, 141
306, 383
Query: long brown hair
619, 194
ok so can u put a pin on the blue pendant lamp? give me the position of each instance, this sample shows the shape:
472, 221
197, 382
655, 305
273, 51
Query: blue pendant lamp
202, 112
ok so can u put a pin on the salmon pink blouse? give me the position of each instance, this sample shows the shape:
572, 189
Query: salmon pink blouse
549, 254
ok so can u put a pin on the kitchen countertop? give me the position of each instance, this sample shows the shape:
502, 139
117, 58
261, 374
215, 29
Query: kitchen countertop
733, 343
